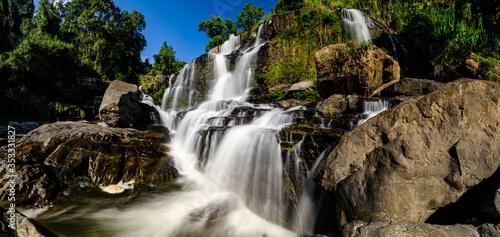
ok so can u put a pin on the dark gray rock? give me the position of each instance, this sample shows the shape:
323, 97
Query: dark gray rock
389, 229
120, 105
412, 87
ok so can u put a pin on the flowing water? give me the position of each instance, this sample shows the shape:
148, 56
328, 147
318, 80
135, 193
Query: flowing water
372, 108
355, 25
229, 157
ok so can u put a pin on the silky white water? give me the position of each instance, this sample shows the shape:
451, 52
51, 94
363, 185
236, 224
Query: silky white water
355, 25
372, 108
234, 185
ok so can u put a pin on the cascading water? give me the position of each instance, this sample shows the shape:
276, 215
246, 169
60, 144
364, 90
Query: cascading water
372, 108
229, 156
355, 25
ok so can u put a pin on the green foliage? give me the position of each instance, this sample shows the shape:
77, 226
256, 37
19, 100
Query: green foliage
277, 95
284, 72
249, 16
289, 33
306, 33
48, 18
306, 95
27, 74
444, 31
217, 30
158, 94
108, 41
165, 61
60, 110
288, 5
15, 22
245, 38
41, 61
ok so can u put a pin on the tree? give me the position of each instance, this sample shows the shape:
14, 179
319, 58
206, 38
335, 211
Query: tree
217, 30
249, 16
109, 41
48, 18
165, 61
15, 22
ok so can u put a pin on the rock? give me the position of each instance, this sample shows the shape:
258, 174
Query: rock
489, 230
51, 157
301, 145
388, 228
215, 210
300, 87
120, 105
25, 227
357, 69
419, 156
24, 127
412, 87
472, 66
161, 79
334, 104
496, 201
291, 103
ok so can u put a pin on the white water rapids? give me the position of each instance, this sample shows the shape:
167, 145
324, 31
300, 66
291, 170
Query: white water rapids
228, 154
237, 190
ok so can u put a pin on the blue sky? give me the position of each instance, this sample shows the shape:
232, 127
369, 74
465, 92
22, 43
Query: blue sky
177, 22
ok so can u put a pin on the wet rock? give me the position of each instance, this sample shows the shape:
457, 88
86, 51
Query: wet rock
291, 103
388, 228
301, 145
419, 156
412, 87
337, 104
52, 156
215, 210
25, 227
354, 69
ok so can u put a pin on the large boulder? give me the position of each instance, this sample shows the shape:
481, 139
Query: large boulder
354, 69
50, 157
419, 156
121, 107
389, 229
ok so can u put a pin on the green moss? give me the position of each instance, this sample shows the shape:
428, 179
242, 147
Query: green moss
306, 33
277, 95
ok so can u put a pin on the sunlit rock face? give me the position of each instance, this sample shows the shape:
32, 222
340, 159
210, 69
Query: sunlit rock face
419, 156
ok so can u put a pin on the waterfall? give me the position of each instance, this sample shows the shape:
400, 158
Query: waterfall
227, 152
355, 25
306, 216
372, 108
